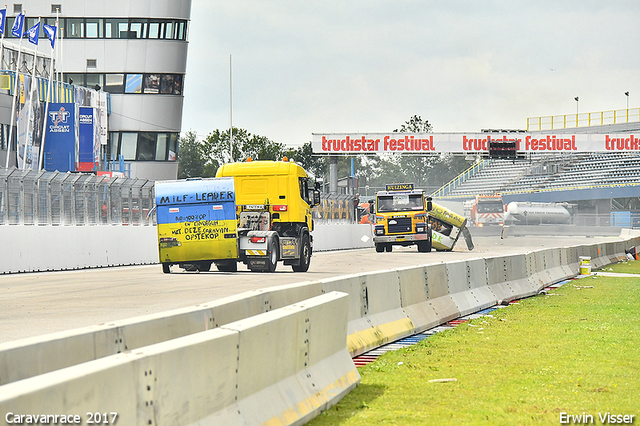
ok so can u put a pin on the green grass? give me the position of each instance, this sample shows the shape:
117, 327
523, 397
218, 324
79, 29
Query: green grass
573, 351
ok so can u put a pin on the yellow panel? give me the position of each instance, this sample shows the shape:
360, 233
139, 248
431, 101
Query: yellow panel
363, 340
5, 82
192, 243
253, 186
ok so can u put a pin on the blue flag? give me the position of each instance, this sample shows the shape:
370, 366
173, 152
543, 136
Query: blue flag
17, 26
3, 15
33, 33
50, 31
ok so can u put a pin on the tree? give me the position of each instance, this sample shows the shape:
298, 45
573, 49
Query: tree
313, 164
415, 125
216, 148
190, 161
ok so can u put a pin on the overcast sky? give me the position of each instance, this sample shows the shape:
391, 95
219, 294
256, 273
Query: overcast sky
303, 67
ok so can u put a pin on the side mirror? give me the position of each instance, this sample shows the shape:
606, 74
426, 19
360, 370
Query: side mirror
316, 198
317, 186
429, 204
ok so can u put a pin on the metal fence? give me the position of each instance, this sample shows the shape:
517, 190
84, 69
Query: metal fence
29, 197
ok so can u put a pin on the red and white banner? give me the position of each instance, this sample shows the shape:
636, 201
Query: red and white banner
425, 143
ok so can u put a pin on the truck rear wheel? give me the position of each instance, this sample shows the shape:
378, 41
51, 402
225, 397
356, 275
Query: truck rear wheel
305, 256
388, 248
272, 256
166, 268
424, 246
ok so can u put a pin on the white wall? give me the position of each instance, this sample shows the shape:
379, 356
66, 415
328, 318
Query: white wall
53, 248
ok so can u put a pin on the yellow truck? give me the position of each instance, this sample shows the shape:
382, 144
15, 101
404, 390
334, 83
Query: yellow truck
256, 212
405, 216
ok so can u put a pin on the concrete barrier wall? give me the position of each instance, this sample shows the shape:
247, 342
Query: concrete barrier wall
280, 367
58, 248
380, 307
29, 357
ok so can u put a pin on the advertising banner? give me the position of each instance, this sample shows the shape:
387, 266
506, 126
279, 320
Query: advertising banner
88, 139
60, 139
425, 143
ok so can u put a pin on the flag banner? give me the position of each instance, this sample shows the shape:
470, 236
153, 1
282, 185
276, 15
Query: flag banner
33, 33
16, 30
50, 31
3, 16
425, 143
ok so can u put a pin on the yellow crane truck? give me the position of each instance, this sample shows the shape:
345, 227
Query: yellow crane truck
255, 212
405, 216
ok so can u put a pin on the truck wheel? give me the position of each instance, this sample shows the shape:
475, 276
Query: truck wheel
272, 253
388, 248
305, 258
424, 247
166, 268
227, 266
380, 248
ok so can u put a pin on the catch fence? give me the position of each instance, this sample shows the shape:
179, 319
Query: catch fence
30, 197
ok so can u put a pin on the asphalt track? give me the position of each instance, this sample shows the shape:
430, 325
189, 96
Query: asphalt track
33, 304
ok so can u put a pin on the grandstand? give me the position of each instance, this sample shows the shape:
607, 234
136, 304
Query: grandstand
598, 182
540, 173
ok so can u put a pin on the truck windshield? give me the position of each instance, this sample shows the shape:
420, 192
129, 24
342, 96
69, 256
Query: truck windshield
490, 207
400, 202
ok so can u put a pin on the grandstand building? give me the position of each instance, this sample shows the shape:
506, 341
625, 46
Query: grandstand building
134, 51
600, 185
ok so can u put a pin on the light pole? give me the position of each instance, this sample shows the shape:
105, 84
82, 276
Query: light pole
627, 95
577, 99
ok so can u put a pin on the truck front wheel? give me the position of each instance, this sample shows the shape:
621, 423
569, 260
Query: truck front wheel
380, 248
166, 268
305, 256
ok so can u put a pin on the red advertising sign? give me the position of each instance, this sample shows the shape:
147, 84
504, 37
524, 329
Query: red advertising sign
423, 143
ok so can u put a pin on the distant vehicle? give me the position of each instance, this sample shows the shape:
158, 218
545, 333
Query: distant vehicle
528, 213
487, 210
405, 216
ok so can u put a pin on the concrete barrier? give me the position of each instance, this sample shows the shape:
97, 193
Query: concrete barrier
280, 367
375, 311
380, 307
438, 293
36, 248
460, 287
32, 356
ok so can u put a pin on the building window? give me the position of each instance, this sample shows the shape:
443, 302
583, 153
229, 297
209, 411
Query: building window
151, 83
74, 28
17, 8
115, 27
128, 145
56, 8
94, 27
133, 83
92, 63
143, 146
114, 83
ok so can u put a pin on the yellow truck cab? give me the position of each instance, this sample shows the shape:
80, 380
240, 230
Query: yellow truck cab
405, 216
271, 218
401, 218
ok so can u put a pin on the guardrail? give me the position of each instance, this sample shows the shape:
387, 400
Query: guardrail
567, 121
